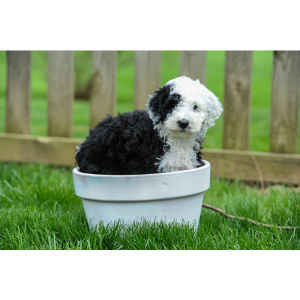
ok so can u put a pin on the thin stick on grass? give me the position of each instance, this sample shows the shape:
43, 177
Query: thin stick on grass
222, 212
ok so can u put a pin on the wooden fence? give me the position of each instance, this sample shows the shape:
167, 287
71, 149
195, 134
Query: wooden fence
281, 164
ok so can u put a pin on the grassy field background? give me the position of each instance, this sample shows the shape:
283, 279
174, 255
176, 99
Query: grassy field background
261, 92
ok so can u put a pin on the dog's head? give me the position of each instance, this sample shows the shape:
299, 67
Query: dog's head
184, 107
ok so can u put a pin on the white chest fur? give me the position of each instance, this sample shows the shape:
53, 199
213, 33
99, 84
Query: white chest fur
182, 155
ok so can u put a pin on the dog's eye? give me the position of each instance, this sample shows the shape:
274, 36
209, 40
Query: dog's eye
195, 106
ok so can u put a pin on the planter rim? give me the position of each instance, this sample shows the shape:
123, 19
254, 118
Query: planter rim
206, 166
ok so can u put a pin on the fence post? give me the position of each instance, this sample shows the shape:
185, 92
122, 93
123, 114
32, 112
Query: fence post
18, 92
147, 76
285, 102
60, 93
237, 100
193, 65
103, 93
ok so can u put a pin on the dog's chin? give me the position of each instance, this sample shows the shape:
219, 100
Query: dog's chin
182, 133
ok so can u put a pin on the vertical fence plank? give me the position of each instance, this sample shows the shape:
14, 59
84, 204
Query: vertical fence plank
285, 102
193, 65
60, 93
18, 92
237, 100
147, 76
103, 94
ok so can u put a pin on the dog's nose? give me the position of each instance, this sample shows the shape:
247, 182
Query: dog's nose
183, 123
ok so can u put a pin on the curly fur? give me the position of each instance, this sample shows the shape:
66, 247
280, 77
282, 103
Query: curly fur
166, 138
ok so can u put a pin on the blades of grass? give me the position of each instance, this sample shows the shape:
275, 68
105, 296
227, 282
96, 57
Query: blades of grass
102, 231
17, 175
5, 243
54, 241
19, 235
79, 245
293, 235
95, 243
6, 197
14, 243
85, 245
154, 246
3, 236
88, 245
13, 188
50, 244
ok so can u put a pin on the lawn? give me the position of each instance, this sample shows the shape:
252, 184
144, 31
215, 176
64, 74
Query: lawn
39, 209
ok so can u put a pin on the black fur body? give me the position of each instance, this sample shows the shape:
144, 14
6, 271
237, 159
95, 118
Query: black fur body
121, 145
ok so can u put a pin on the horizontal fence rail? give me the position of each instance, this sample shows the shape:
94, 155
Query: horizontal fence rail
227, 164
233, 161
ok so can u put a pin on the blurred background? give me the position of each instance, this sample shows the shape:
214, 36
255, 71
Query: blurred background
260, 105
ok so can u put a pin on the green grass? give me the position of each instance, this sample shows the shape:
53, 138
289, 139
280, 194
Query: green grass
39, 210
261, 92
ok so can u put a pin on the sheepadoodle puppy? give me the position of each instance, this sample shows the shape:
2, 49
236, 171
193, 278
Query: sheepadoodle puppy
167, 137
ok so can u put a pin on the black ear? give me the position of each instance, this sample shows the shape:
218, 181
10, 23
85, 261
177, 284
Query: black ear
156, 103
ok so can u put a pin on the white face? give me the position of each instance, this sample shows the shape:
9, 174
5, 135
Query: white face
187, 117
182, 111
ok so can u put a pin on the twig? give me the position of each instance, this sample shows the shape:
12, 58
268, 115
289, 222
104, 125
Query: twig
222, 212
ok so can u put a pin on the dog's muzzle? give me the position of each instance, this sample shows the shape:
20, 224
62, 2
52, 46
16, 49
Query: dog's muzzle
183, 123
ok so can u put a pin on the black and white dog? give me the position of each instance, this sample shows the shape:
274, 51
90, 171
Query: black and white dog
166, 138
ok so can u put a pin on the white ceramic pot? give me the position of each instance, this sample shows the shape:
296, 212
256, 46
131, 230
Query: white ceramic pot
173, 196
